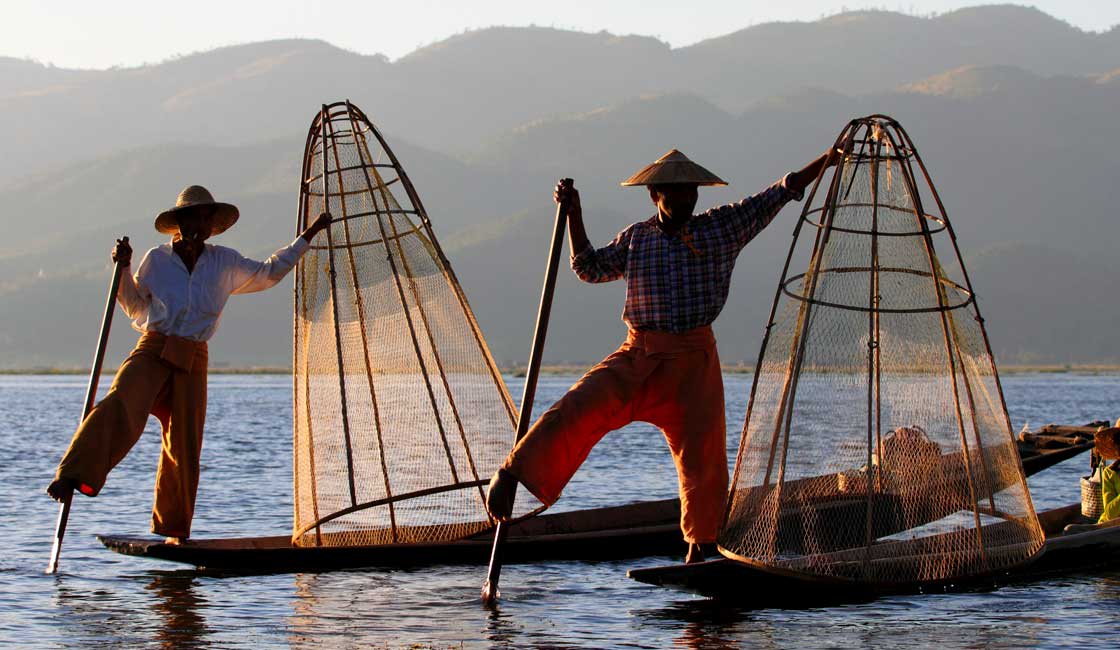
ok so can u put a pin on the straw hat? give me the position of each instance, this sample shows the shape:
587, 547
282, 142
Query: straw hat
195, 196
673, 167
1107, 442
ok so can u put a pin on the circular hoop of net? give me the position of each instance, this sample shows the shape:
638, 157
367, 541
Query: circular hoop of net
906, 299
877, 446
908, 214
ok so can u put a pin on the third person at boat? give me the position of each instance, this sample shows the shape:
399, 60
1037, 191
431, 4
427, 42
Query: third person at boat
677, 268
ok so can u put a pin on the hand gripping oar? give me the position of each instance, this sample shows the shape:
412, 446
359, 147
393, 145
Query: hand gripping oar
490, 592
87, 406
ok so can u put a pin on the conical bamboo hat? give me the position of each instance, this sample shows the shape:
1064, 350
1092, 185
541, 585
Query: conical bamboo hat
673, 167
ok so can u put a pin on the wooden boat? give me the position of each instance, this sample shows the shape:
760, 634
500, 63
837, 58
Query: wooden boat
750, 586
635, 530
1054, 443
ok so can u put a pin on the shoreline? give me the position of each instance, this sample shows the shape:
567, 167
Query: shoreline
578, 369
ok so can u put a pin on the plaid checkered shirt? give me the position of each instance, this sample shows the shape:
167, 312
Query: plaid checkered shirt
678, 282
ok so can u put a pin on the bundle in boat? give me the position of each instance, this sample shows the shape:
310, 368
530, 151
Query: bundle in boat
877, 446
400, 412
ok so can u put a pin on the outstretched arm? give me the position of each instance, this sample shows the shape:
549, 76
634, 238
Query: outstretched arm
799, 180
249, 275
745, 219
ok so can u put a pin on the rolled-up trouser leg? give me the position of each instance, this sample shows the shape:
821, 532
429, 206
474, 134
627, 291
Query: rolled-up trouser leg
116, 422
684, 397
558, 443
180, 450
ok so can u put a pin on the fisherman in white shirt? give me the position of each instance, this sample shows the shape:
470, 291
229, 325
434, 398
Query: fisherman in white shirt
175, 300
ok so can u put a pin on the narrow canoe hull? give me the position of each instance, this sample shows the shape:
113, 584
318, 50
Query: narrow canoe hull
759, 587
644, 529
637, 530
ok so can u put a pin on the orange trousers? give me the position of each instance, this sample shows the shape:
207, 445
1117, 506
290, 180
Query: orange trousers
672, 381
164, 376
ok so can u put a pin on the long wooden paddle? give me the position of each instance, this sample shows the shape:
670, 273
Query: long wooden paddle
87, 406
490, 593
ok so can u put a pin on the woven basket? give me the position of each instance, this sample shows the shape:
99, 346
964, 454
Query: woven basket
1092, 503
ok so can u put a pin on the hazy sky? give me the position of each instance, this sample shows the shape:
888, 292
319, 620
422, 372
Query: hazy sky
103, 33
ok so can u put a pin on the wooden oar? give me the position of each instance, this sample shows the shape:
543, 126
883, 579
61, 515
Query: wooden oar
490, 593
87, 406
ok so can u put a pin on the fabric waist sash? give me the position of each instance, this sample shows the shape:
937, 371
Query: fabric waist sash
176, 351
667, 343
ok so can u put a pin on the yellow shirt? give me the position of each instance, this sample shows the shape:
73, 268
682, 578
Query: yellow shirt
1110, 494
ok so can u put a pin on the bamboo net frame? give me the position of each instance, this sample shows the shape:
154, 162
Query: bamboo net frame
400, 412
877, 445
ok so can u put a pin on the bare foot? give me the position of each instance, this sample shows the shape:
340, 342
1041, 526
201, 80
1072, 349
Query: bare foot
61, 489
175, 541
700, 552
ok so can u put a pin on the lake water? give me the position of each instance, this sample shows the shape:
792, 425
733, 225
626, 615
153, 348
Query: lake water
101, 599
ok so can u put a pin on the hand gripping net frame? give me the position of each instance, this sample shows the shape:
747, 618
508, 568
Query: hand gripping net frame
877, 446
400, 413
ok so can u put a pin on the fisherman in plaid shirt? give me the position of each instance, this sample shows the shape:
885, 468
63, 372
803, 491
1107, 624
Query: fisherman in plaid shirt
677, 269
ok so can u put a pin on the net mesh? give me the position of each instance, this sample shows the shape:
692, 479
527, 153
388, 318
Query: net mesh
400, 412
877, 445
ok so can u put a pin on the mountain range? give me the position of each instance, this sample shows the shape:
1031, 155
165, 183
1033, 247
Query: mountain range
1014, 111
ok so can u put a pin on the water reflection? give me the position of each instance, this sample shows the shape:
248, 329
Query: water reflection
179, 603
706, 624
87, 613
348, 609
502, 630
304, 603
899, 622
705, 634
1108, 587
93, 612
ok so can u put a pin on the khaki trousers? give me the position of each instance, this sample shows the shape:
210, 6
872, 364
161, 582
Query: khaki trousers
164, 376
672, 381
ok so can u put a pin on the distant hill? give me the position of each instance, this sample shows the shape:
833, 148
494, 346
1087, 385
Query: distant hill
1021, 140
451, 95
974, 81
866, 51
1039, 298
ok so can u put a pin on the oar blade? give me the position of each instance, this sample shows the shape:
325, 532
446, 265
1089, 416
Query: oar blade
59, 533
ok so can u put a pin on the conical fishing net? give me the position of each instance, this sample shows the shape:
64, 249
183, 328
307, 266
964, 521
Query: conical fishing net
877, 445
400, 412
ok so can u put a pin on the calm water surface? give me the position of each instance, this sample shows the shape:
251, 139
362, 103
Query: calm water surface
101, 599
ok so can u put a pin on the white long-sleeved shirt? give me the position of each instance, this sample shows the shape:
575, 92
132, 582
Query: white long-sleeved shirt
164, 297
